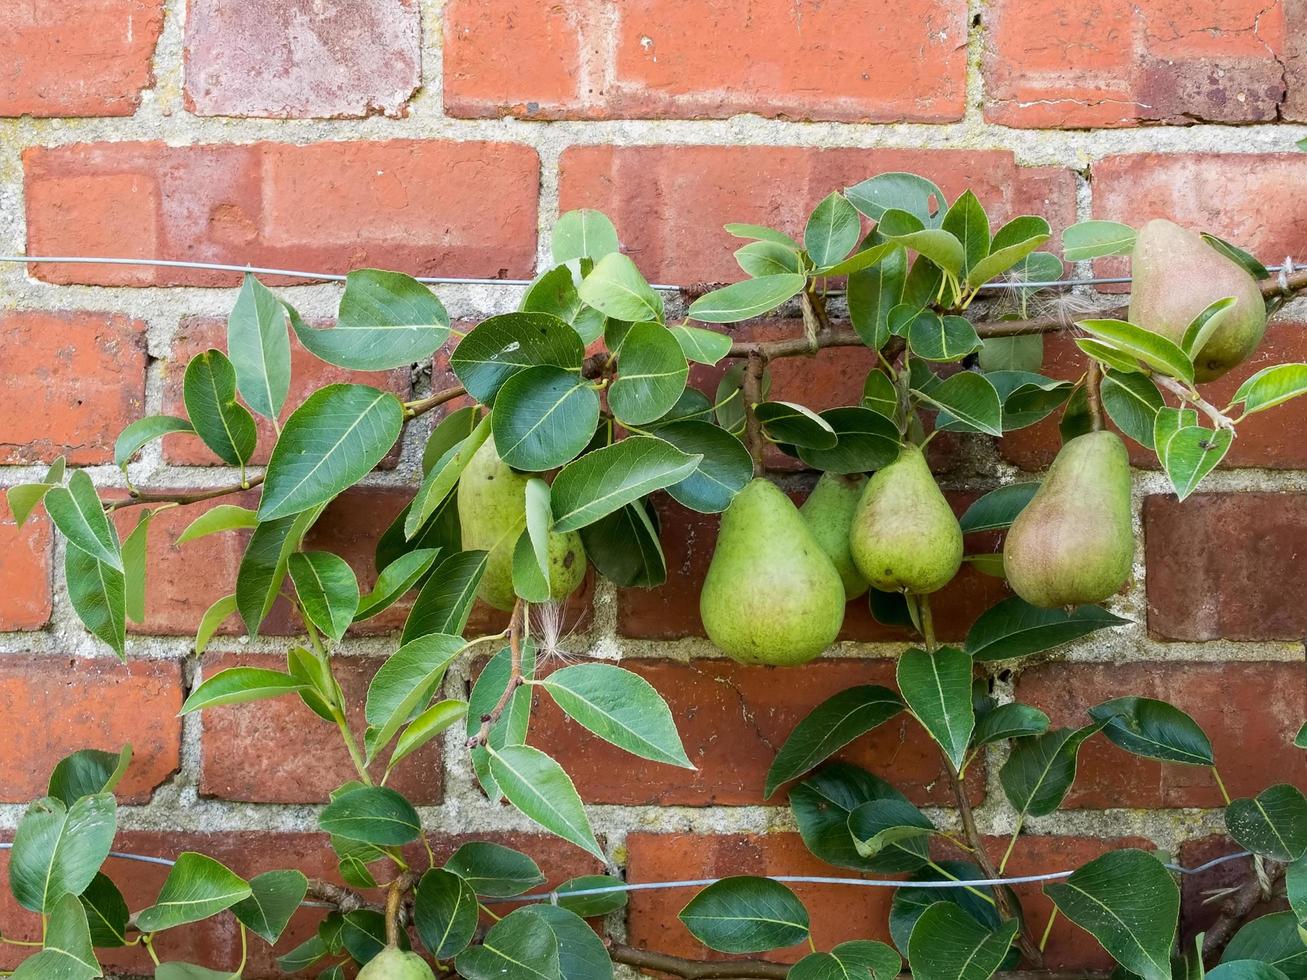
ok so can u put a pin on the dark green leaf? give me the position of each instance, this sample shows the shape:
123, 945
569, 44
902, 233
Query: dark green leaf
494, 871
386, 320
830, 726
373, 815
521, 947
651, 373
1154, 729
543, 417
502, 346
936, 338
872, 293
746, 915
224, 424
142, 432
1009, 721
78, 513
239, 685
590, 906
722, 472
822, 804
88, 772
98, 594
445, 913
795, 425
948, 944
1040, 770
832, 231
67, 954
1015, 628
1273, 823
1132, 401
971, 401
865, 440
259, 346
327, 588
582, 955
882, 824
274, 898
196, 888
624, 547
966, 221
58, 850
538, 786
445, 602
106, 912
1275, 940
997, 509
608, 479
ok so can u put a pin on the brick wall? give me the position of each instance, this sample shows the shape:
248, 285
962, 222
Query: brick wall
444, 138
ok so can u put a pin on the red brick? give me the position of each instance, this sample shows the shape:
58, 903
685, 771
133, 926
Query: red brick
421, 207
216, 942
1222, 193
73, 382
1197, 911
25, 571
1251, 725
669, 202
1266, 440
1226, 566
733, 719
81, 58
308, 374
54, 706
1053, 65
671, 611
281, 752
647, 59
299, 59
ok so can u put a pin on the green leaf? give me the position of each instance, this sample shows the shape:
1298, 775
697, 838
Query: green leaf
872, 293
1152, 349
133, 552
1271, 386
445, 602
239, 685
106, 912
853, 960
521, 947
1191, 454
583, 234
405, 683
997, 509
966, 221
822, 804
940, 247
906, 192
263, 565
329, 443
1169, 421
196, 888
1039, 772
948, 944
1206, 323
871, 253
425, 727
58, 850
762, 234
79, 515
729, 403
608, 479
225, 425
833, 229
795, 425
1275, 940
616, 288
24, 498
98, 594
1094, 239
1015, 628
745, 914
1127, 901
865, 440
363, 933
1132, 402
538, 786
582, 955
445, 913
493, 870
882, 824
88, 772
373, 815
555, 293
701, 346
544, 416
1273, 823
303, 956
937, 689
937, 338
68, 954
1012, 243
1246, 970
395, 580
221, 517
385, 320
213, 617
747, 299
274, 898
651, 373
1154, 730
189, 971
591, 906
512, 725
764, 258
620, 707
624, 547
140, 433
1011, 720
910, 901
723, 471
1024, 352
442, 476
1238, 256
971, 401
829, 727
259, 347
498, 348
328, 590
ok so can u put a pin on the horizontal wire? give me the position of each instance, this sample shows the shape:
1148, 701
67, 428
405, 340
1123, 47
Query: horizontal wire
472, 281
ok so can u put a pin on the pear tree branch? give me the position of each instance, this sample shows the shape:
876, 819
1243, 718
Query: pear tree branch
515, 680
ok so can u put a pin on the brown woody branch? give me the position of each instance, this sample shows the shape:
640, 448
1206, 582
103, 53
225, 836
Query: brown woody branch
141, 499
751, 392
515, 624
1236, 909
679, 966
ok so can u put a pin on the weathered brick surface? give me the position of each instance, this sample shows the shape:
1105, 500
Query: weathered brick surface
1226, 566
81, 58
52, 707
1248, 710
25, 602
648, 59
694, 190
72, 382
296, 59
1049, 65
416, 206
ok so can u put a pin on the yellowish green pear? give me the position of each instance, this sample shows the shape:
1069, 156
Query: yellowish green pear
905, 537
1073, 542
492, 515
392, 963
828, 512
1177, 275
771, 595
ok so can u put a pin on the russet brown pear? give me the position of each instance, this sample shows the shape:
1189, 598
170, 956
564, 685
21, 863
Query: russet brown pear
1177, 275
904, 536
1073, 543
771, 595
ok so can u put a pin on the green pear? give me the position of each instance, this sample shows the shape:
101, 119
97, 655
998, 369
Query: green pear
392, 963
771, 595
1177, 275
1073, 543
828, 512
905, 537
492, 515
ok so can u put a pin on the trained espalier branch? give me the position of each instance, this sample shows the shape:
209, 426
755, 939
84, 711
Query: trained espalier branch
547, 470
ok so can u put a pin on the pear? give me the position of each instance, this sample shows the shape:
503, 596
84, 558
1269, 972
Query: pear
905, 537
771, 595
1177, 275
392, 963
492, 515
828, 512
1073, 542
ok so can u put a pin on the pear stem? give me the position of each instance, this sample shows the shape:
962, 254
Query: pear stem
752, 396
1093, 398
515, 625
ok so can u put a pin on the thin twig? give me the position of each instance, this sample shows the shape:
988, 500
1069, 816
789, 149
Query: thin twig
515, 680
679, 966
434, 400
141, 499
1191, 397
752, 392
1093, 398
